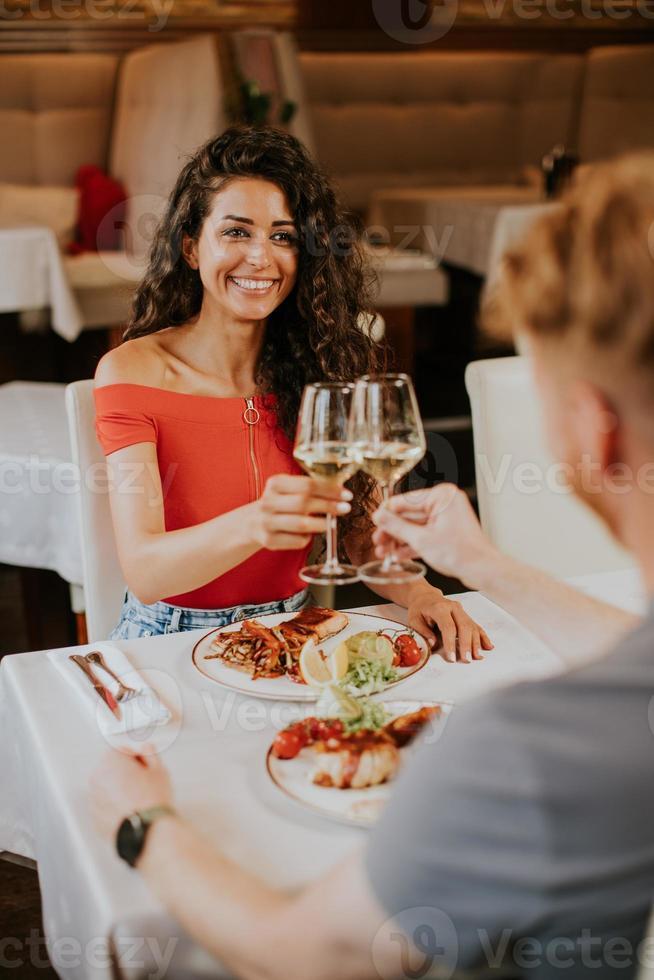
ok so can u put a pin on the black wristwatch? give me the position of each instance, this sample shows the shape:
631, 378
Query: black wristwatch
130, 839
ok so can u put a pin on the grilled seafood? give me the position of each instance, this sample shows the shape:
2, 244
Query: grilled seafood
263, 651
355, 761
404, 729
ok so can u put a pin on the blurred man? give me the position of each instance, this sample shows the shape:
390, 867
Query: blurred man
522, 842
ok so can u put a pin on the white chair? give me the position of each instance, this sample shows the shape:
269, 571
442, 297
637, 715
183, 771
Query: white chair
646, 970
104, 585
523, 505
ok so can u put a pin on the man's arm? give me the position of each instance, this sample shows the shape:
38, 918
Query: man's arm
259, 933
441, 526
323, 932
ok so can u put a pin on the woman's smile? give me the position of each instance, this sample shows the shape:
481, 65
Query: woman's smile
249, 284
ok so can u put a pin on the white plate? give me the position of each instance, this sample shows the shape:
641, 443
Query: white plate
281, 688
356, 807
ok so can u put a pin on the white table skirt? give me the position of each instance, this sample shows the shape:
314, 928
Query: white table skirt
32, 276
215, 751
38, 481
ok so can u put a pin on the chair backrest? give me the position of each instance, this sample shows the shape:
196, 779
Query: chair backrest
104, 585
646, 970
524, 506
169, 101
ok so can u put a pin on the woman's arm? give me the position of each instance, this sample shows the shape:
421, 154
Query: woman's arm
158, 563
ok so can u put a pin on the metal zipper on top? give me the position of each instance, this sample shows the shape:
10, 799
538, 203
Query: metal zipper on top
251, 417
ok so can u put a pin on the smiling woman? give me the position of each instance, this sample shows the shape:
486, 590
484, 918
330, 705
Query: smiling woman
256, 285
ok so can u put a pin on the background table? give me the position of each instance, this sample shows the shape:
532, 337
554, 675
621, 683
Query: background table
32, 276
215, 750
467, 227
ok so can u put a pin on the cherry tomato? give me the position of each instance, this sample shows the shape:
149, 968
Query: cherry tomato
408, 649
287, 745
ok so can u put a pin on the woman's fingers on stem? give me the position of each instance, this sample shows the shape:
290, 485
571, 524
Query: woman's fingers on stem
296, 524
299, 504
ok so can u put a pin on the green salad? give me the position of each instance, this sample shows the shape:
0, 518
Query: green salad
355, 713
370, 657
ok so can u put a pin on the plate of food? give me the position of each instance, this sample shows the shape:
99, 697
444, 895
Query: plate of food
292, 658
340, 762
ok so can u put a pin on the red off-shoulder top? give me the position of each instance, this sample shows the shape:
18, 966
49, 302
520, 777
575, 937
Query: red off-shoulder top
214, 454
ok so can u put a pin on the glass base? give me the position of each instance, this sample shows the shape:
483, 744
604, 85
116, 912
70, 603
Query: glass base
397, 573
330, 574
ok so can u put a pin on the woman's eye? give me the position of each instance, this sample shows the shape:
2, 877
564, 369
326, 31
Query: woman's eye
235, 232
285, 237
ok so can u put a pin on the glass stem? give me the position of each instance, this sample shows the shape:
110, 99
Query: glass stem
332, 542
390, 560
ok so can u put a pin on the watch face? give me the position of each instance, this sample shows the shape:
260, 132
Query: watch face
130, 838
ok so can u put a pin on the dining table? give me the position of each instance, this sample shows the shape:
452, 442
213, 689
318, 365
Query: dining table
33, 277
99, 917
467, 227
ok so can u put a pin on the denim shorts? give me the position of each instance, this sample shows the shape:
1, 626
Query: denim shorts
137, 619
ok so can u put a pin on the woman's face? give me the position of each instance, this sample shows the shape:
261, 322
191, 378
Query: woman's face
247, 250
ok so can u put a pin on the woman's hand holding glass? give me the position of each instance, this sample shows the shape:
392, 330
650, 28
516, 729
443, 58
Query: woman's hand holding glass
292, 509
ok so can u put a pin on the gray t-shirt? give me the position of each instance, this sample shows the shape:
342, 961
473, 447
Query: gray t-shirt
525, 834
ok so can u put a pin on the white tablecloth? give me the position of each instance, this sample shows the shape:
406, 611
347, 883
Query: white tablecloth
467, 227
32, 276
215, 751
38, 482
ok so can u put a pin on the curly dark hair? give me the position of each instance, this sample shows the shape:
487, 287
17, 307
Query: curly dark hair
316, 333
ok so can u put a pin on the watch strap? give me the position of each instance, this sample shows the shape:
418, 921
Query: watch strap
152, 813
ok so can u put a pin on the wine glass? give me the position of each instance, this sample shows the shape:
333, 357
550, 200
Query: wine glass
323, 451
388, 439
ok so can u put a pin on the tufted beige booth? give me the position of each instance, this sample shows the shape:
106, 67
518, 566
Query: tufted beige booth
398, 120
169, 100
55, 115
617, 109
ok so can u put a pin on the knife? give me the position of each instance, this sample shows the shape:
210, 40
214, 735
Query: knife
102, 691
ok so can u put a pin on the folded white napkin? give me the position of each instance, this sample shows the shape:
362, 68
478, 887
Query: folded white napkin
141, 712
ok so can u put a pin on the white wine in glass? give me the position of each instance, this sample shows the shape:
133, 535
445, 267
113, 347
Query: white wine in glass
323, 451
388, 440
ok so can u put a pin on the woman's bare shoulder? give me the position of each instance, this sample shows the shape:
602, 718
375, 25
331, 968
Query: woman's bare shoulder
138, 361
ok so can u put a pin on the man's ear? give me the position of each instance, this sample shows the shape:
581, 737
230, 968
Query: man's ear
190, 252
596, 425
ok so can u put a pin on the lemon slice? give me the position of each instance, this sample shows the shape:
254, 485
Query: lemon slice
336, 703
339, 661
314, 666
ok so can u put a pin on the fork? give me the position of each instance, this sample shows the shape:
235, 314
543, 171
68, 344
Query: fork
125, 692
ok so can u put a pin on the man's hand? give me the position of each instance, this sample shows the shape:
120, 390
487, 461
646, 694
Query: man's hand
122, 784
440, 526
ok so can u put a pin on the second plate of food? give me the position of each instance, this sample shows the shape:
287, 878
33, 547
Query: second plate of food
273, 656
342, 769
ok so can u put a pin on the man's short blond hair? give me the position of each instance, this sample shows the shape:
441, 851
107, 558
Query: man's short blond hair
585, 274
